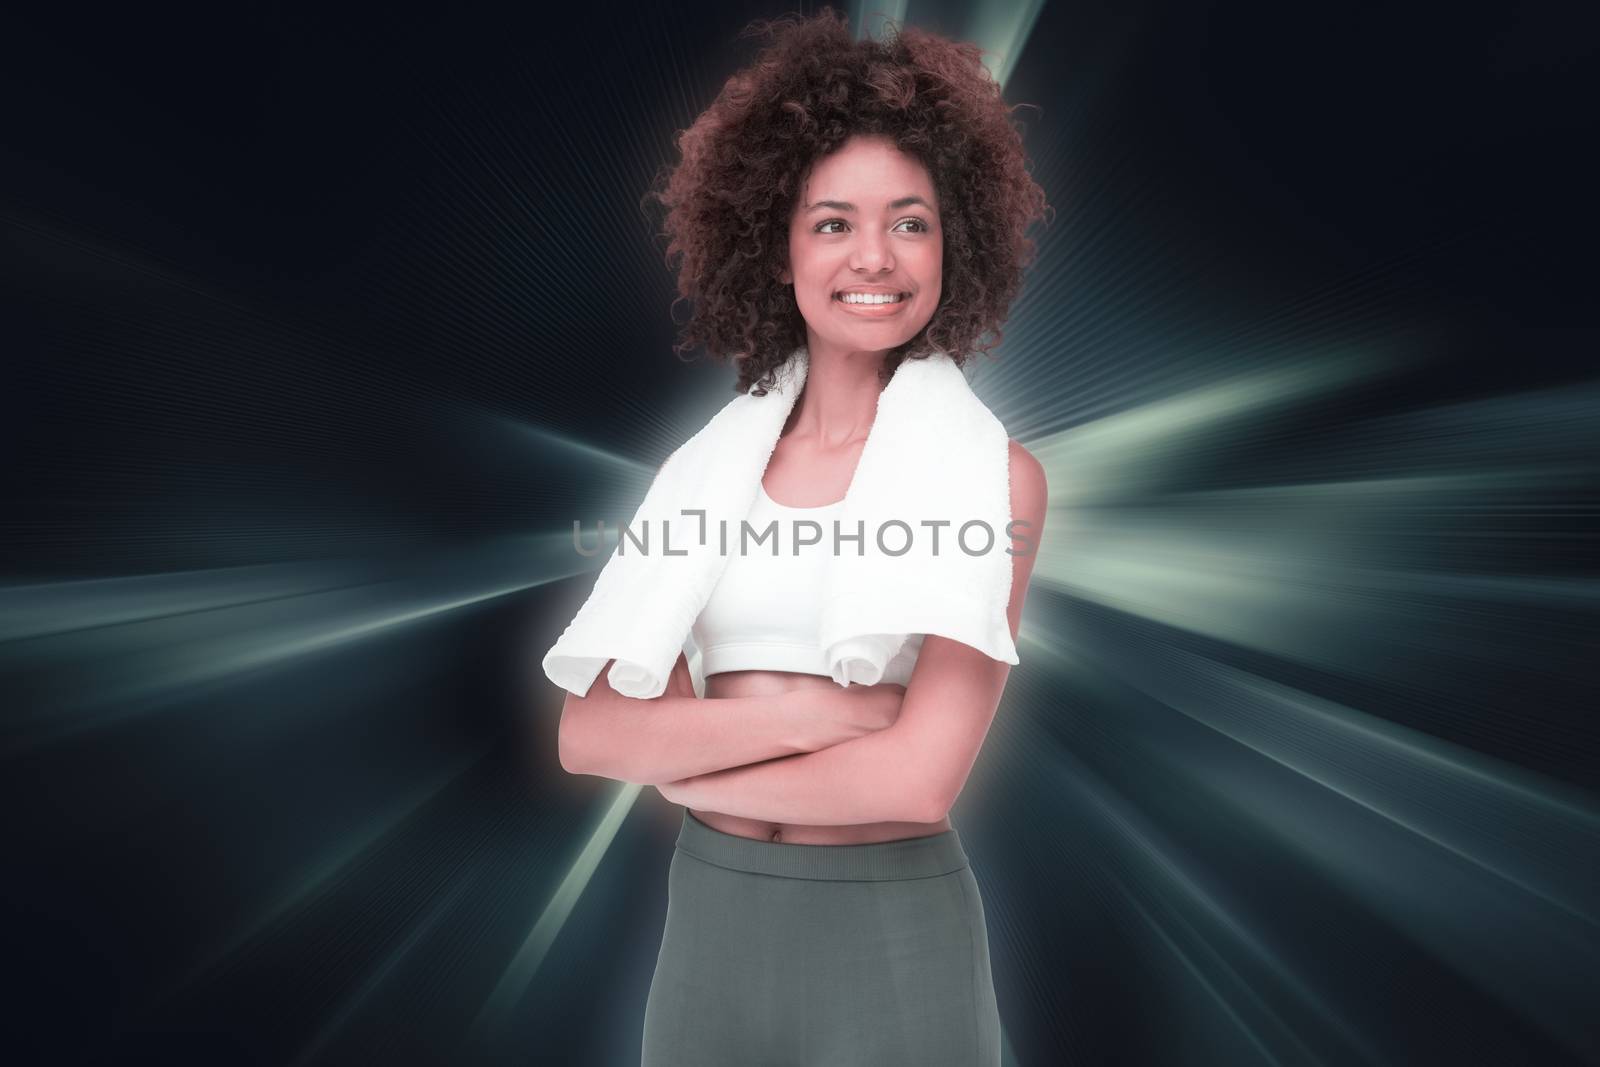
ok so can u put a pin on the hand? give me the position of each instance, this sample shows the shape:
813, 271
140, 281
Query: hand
674, 792
874, 707
680, 683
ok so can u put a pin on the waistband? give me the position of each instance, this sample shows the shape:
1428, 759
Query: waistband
881, 861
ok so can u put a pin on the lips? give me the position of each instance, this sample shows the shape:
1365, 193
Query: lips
886, 309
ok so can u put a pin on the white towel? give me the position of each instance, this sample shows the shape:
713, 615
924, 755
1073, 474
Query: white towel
934, 452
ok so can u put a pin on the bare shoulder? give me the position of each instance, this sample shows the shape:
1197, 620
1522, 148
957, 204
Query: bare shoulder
1029, 489
1029, 501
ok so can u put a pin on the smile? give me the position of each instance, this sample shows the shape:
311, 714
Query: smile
872, 305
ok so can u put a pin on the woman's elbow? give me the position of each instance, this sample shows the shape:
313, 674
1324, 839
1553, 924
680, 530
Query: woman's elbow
569, 737
919, 802
585, 741
934, 809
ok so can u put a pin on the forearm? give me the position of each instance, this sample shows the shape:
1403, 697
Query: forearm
868, 779
675, 737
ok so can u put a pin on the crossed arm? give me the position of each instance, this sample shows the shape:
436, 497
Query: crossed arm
913, 770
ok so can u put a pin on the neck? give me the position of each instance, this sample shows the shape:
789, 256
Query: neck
840, 398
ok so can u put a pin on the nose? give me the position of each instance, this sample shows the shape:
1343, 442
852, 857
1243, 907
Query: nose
872, 253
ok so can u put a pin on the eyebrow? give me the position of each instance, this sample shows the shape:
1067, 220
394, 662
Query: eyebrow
894, 205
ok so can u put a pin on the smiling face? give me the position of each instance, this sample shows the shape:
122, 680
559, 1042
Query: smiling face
866, 220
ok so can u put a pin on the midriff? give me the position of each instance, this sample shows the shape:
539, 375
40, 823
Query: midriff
768, 683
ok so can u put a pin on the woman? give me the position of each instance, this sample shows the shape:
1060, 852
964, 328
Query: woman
821, 908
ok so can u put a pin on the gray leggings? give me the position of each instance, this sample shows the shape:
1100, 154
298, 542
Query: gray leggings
780, 955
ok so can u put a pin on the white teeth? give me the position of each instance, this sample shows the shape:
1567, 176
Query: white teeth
870, 298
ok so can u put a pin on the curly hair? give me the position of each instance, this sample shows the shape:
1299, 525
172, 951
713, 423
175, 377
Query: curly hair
808, 91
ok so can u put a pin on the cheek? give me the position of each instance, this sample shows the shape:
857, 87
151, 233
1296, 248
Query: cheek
930, 265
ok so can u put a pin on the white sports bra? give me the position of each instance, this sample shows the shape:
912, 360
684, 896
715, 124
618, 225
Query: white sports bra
764, 610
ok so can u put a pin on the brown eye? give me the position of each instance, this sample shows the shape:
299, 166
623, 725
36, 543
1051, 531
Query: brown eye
922, 227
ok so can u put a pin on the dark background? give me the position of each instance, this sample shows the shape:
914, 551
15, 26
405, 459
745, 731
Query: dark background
320, 326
